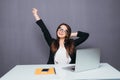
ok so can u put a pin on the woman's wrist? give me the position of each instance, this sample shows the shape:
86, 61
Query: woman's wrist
36, 17
74, 34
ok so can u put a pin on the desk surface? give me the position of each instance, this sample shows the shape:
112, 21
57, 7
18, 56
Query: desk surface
26, 72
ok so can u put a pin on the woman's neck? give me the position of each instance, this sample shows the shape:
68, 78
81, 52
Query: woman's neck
61, 42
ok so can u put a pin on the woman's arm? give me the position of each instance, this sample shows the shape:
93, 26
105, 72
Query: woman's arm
43, 27
82, 37
35, 14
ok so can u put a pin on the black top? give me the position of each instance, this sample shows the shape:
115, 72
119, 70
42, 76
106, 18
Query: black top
82, 36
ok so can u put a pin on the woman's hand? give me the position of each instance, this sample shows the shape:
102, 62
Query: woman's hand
73, 34
35, 13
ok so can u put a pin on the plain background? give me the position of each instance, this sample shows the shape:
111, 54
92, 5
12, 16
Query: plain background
22, 42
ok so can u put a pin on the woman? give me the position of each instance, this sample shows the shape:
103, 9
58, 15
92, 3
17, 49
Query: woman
62, 49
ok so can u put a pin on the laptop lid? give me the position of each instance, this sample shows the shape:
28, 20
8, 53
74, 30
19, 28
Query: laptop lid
87, 59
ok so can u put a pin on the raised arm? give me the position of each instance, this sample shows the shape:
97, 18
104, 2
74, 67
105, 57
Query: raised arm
43, 27
35, 14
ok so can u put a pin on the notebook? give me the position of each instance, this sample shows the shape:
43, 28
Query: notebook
44, 71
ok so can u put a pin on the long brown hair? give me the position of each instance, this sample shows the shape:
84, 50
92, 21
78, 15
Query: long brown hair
69, 45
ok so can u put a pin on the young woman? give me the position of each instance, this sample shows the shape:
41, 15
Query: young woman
62, 49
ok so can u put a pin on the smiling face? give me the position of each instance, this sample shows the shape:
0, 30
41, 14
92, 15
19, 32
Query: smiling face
63, 31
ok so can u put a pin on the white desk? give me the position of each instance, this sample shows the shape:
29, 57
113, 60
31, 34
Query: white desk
26, 72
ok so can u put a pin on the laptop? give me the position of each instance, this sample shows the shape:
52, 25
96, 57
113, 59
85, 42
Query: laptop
86, 59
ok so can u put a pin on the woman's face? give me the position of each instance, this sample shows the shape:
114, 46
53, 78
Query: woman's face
62, 31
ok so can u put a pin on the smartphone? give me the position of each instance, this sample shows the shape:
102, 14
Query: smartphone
45, 70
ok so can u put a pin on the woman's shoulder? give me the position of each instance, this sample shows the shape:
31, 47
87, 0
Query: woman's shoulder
69, 41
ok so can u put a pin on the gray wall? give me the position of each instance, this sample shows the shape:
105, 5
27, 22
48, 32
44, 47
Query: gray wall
22, 42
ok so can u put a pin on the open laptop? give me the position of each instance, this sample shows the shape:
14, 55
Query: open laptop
86, 59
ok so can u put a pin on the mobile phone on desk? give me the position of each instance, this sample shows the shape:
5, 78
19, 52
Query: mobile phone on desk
45, 70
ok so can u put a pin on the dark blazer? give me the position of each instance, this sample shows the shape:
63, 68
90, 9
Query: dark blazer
82, 36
